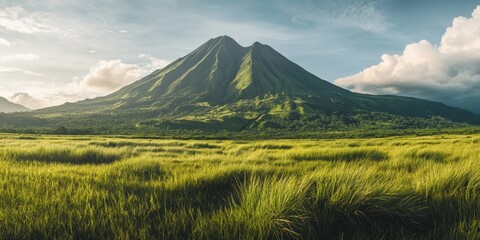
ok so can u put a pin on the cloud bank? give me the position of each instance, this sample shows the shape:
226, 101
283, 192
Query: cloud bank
449, 73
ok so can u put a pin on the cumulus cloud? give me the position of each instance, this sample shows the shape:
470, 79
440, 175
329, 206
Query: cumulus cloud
357, 14
28, 101
449, 73
111, 75
16, 19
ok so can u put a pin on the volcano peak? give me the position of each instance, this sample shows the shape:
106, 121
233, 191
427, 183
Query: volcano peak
221, 80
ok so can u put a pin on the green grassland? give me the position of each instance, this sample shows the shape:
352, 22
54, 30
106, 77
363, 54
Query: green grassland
85, 187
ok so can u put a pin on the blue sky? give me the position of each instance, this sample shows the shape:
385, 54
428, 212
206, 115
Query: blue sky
52, 51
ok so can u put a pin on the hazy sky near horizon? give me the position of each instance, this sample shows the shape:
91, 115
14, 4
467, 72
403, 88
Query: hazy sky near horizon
53, 51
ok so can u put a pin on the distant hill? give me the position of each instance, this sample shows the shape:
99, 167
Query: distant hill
9, 107
224, 86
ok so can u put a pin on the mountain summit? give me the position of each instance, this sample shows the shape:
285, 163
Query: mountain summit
222, 85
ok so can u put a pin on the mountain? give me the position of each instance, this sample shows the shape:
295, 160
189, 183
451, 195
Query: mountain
220, 71
222, 85
8, 107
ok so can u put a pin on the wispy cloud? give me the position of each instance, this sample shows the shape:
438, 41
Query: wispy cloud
20, 70
16, 58
5, 42
342, 14
16, 19
449, 73
19, 56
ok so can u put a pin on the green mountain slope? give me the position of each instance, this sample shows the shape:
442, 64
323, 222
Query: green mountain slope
222, 85
8, 107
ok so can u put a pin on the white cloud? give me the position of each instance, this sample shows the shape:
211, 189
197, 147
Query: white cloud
154, 63
449, 73
463, 36
357, 14
111, 75
5, 42
19, 56
28, 101
107, 76
16, 19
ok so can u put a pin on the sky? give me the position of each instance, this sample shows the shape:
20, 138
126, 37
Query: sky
57, 51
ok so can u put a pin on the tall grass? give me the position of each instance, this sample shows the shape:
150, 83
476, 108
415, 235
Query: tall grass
394, 188
64, 154
337, 154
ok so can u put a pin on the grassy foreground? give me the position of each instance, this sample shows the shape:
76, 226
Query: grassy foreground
111, 188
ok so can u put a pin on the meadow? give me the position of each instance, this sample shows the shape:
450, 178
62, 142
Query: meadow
84, 187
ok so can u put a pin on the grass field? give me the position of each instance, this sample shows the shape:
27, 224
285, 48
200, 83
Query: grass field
118, 188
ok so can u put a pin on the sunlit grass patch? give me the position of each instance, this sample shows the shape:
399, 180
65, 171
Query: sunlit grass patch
144, 169
346, 155
400, 143
263, 208
68, 155
437, 156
